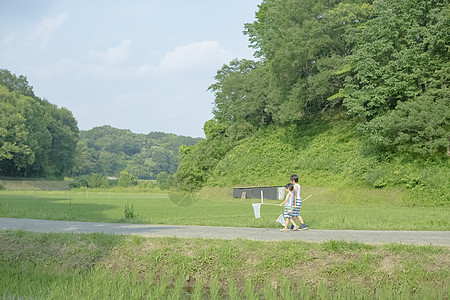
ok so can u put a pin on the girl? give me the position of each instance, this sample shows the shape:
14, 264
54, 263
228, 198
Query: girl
290, 198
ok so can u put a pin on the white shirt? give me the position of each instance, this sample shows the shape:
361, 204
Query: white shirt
298, 190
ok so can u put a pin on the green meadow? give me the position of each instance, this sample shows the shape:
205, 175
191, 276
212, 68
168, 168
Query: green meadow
215, 207
99, 266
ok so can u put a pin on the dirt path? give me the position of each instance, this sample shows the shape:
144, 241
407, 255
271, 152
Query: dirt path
261, 234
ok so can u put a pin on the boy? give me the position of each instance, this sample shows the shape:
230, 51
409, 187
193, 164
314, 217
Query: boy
290, 199
298, 201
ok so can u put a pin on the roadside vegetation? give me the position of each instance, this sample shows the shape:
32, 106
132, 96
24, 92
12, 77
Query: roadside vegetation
98, 266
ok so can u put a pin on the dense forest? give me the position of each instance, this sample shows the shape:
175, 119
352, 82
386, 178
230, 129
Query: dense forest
378, 70
107, 150
38, 139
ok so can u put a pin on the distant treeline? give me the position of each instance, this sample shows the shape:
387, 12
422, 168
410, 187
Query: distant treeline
38, 139
107, 150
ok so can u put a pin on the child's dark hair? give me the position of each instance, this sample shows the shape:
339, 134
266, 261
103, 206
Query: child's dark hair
294, 178
290, 186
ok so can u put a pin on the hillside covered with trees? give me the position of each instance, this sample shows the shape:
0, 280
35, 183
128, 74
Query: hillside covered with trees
108, 151
346, 92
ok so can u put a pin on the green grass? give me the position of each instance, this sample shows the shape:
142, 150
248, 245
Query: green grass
325, 210
99, 266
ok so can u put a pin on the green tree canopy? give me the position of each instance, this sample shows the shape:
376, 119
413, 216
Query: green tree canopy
401, 62
36, 137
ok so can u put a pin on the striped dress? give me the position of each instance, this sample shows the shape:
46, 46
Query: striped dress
298, 202
289, 206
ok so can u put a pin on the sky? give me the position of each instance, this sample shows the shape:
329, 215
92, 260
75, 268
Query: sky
143, 65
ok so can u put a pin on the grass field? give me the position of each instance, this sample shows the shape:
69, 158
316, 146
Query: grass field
99, 266
216, 208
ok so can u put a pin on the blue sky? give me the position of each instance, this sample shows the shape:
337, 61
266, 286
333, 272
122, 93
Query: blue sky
139, 65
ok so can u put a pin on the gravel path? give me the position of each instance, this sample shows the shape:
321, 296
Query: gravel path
261, 234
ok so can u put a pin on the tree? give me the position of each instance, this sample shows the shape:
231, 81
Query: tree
240, 93
38, 138
395, 55
16, 83
164, 180
197, 162
85, 160
126, 179
63, 128
302, 48
418, 126
302, 44
15, 153
97, 181
399, 88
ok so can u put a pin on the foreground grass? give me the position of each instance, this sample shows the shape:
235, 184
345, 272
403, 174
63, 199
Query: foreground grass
214, 209
98, 266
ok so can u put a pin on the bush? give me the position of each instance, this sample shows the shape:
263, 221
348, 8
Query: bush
79, 181
147, 184
375, 178
126, 179
164, 180
98, 181
94, 181
129, 212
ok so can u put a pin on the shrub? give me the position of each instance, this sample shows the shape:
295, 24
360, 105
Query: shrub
79, 181
129, 212
98, 181
375, 178
126, 179
164, 180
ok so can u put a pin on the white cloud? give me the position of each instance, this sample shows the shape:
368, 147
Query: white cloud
114, 55
47, 27
195, 59
201, 55
60, 68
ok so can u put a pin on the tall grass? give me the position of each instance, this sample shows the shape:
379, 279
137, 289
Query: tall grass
53, 266
325, 210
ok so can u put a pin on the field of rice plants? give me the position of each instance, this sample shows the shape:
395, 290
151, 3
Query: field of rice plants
99, 266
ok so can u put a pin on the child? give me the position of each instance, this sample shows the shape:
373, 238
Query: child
298, 201
288, 208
